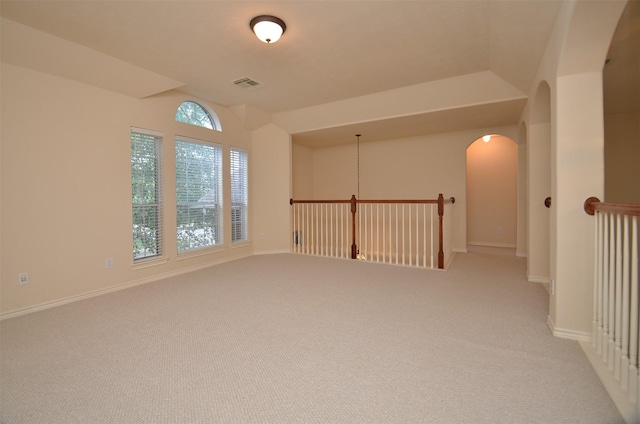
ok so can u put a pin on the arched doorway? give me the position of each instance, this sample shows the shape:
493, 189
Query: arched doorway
492, 193
539, 180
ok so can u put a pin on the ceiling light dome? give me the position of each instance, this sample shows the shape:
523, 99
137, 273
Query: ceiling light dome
267, 28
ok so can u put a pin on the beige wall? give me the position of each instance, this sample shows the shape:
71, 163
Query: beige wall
407, 168
523, 184
572, 66
66, 187
539, 159
271, 189
302, 171
622, 158
492, 188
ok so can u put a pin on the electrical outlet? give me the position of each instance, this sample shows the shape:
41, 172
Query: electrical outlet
23, 278
261, 236
499, 230
108, 263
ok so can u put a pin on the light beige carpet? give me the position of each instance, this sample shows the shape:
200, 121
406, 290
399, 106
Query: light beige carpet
298, 339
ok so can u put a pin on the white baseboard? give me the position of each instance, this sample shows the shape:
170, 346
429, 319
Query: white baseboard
460, 249
537, 279
564, 333
52, 304
485, 244
449, 258
629, 410
521, 254
271, 252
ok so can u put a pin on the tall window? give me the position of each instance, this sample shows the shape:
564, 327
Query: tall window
194, 114
198, 194
146, 193
239, 195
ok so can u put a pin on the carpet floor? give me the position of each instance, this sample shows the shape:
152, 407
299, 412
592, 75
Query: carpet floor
298, 339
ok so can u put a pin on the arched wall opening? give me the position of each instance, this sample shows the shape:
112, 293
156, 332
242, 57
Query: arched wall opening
523, 184
574, 72
492, 192
539, 186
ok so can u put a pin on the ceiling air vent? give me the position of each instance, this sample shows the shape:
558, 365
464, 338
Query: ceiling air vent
247, 83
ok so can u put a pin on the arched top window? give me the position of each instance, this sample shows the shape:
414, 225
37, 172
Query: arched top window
195, 114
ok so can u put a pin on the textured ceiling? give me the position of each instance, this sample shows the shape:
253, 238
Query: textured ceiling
331, 50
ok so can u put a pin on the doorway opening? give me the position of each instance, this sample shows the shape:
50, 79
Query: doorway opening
492, 195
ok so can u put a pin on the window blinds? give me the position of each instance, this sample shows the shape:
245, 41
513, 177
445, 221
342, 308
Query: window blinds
198, 194
146, 193
239, 195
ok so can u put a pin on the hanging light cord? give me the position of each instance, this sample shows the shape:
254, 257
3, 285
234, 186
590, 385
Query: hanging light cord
358, 154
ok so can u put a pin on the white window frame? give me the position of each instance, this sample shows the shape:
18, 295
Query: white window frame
144, 250
208, 119
194, 206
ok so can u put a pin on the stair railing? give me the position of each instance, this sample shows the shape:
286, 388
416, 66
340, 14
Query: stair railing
615, 328
400, 232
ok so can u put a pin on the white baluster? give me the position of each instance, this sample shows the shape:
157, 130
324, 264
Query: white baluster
624, 342
342, 242
417, 235
410, 241
634, 329
377, 232
617, 339
315, 229
432, 249
611, 294
396, 234
604, 289
403, 234
597, 339
371, 237
310, 221
326, 242
365, 251
298, 227
384, 234
424, 235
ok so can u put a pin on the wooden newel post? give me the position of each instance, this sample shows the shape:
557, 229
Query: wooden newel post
440, 238
354, 209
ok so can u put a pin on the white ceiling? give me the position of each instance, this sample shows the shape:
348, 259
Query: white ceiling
331, 50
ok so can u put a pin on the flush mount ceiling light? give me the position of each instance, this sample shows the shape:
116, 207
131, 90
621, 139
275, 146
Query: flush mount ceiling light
267, 28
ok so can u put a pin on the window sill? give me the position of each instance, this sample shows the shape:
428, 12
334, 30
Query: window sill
148, 263
199, 252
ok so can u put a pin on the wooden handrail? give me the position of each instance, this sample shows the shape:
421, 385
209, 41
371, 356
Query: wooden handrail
593, 205
291, 201
410, 201
407, 201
